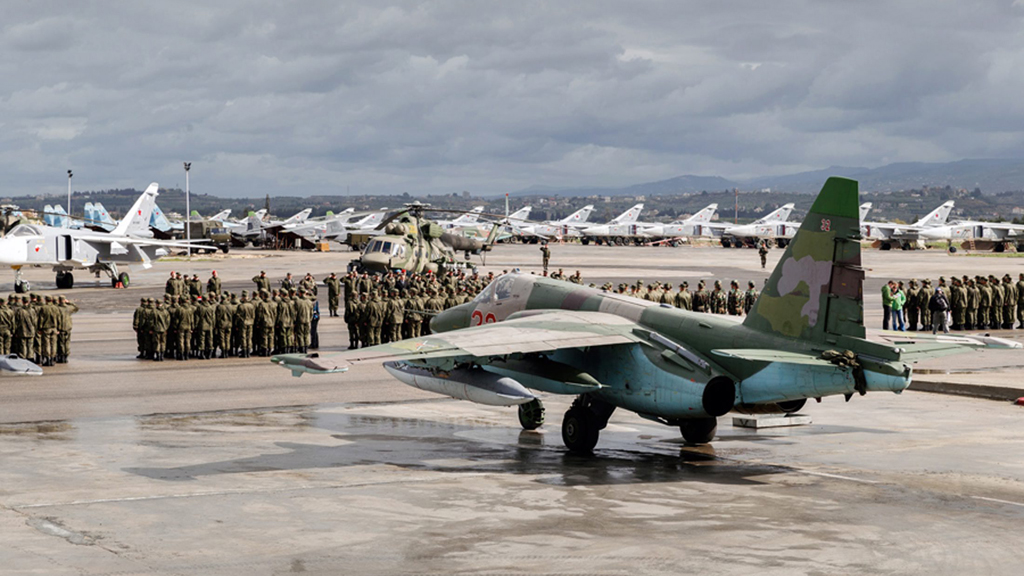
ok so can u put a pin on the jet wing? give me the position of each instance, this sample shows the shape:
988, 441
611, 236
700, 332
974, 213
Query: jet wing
916, 347
770, 355
129, 240
533, 332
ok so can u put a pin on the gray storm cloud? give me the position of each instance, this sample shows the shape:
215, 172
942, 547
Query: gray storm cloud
303, 98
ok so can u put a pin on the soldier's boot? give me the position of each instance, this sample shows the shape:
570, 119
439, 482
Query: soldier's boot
142, 355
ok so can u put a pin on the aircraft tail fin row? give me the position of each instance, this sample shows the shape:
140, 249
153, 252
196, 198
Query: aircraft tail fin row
816, 291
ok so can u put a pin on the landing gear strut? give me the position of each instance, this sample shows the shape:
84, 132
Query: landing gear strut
20, 286
110, 268
583, 422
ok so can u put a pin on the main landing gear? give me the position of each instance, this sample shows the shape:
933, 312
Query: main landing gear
20, 286
117, 279
65, 280
583, 422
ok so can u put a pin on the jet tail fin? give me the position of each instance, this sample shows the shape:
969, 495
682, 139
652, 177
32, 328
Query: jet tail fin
136, 221
816, 291
158, 220
779, 215
705, 215
578, 217
521, 214
864, 209
629, 216
936, 217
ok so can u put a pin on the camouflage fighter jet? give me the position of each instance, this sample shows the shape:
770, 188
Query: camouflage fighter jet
804, 338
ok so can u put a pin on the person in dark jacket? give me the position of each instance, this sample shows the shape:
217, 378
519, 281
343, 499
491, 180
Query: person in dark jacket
939, 307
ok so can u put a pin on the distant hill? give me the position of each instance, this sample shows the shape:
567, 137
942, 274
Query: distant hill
990, 175
688, 184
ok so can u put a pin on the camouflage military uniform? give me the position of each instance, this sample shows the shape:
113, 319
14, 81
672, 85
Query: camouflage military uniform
973, 302
333, 293
749, 298
683, 299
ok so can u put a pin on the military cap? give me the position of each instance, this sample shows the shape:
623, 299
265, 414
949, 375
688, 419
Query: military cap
750, 283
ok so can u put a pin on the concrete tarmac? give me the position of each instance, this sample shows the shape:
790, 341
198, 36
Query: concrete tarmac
117, 465
911, 484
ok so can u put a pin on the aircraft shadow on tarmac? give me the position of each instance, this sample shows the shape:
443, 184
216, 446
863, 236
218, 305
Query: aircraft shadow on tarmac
425, 445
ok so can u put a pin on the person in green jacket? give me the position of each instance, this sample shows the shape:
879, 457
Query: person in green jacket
899, 299
887, 304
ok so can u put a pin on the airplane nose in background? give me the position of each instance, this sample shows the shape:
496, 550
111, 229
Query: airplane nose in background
13, 251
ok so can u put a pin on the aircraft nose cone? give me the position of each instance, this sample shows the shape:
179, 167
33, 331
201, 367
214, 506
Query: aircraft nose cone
452, 319
13, 251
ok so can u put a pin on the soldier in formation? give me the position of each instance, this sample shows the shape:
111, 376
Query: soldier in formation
978, 303
183, 325
37, 328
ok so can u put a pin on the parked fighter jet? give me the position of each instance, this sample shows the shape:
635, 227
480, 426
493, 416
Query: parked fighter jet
464, 220
564, 228
66, 249
256, 229
994, 236
770, 227
804, 338
890, 234
696, 226
623, 226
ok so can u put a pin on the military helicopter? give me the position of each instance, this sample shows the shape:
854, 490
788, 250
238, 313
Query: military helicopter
414, 243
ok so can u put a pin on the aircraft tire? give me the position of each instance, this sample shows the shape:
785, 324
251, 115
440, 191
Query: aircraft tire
579, 430
699, 430
124, 279
531, 414
21, 286
952, 249
65, 281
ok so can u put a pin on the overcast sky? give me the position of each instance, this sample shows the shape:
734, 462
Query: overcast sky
297, 98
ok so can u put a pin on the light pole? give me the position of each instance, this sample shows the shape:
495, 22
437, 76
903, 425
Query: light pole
69, 197
188, 214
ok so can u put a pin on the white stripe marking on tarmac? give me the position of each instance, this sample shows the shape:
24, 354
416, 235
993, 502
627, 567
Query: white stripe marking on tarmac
1011, 503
